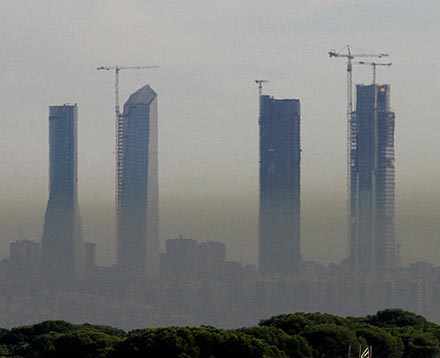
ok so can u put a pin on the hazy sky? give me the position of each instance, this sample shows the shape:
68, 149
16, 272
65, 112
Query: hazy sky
210, 52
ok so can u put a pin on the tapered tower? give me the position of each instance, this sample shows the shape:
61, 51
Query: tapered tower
62, 239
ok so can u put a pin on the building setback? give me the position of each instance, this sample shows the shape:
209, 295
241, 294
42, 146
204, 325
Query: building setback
279, 216
137, 185
62, 241
372, 181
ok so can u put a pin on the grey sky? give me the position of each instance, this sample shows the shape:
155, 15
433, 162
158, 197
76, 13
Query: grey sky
210, 52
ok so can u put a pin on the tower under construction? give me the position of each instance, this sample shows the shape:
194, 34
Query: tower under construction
279, 216
137, 185
372, 181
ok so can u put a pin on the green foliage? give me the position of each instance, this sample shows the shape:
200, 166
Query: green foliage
331, 340
294, 346
396, 318
104, 329
45, 328
84, 344
391, 333
420, 345
203, 342
59, 338
384, 344
296, 323
233, 344
166, 342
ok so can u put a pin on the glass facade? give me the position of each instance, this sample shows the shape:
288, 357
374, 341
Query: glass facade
137, 185
372, 181
279, 217
62, 239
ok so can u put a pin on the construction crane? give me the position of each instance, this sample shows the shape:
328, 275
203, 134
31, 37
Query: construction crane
373, 65
349, 130
350, 57
117, 69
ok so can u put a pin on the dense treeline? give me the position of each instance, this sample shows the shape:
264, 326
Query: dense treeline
391, 333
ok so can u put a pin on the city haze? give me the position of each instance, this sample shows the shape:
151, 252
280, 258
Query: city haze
210, 55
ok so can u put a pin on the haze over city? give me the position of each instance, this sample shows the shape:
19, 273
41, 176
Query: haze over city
208, 109
215, 189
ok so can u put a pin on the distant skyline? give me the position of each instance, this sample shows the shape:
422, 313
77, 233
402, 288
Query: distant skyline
208, 130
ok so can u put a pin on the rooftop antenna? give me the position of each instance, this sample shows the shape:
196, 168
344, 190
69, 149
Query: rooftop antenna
260, 93
260, 86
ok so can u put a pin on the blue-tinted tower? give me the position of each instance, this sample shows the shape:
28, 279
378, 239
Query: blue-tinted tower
279, 215
62, 239
372, 182
137, 186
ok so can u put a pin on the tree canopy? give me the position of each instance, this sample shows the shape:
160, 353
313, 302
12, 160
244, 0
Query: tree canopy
391, 333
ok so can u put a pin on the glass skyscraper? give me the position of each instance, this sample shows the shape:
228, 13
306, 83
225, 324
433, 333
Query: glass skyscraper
62, 241
137, 185
372, 181
279, 216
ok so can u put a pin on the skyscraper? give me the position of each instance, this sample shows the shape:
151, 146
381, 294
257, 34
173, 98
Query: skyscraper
279, 217
137, 185
62, 241
372, 181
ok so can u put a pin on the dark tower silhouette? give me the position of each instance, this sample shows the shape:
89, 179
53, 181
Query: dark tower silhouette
373, 246
137, 186
62, 241
279, 218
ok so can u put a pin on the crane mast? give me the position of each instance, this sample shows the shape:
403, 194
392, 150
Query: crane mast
350, 57
117, 70
374, 67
